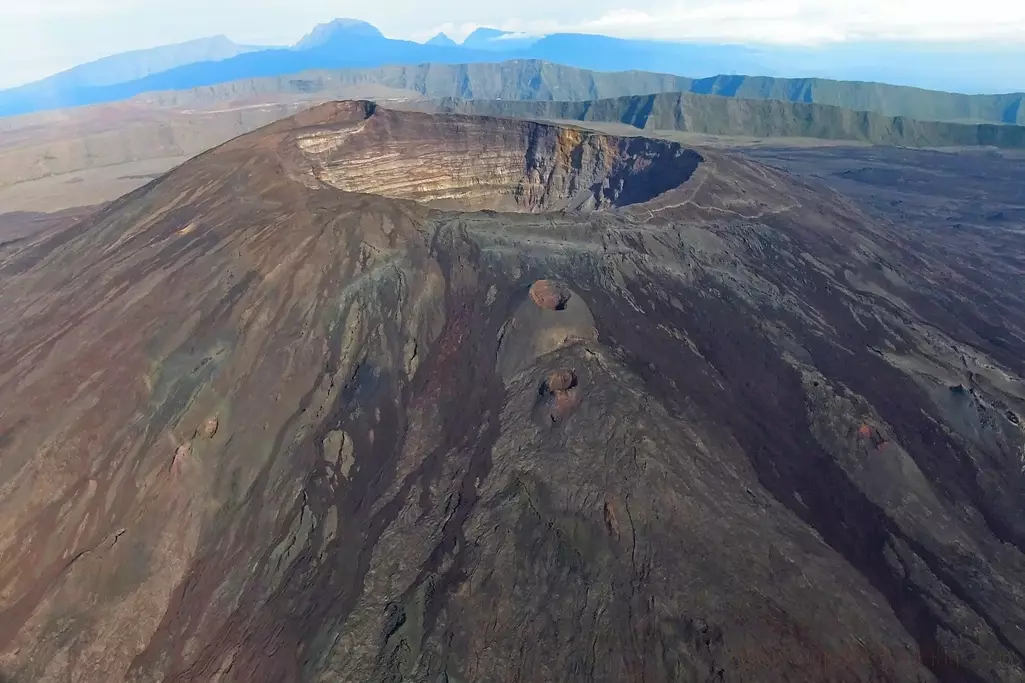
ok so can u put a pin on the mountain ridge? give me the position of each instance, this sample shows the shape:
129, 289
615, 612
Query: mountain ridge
548, 80
441, 39
731, 116
543, 80
126, 67
364, 46
882, 98
324, 34
501, 41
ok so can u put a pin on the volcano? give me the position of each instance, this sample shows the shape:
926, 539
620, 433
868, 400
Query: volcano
370, 395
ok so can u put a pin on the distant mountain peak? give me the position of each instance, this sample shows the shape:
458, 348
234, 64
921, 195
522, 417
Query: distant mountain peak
494, 39
482, 35
325, 33
441, 40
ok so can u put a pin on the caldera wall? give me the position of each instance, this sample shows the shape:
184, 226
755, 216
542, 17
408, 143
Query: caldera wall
500, 164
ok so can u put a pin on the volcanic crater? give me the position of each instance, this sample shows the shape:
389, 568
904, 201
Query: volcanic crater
472, 163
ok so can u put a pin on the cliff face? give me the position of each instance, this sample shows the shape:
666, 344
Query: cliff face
714, 115
260, 428
467, 162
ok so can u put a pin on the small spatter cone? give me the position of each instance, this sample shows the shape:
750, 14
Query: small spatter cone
563, 393
549, 295
870, 434
566, 402
181, 455
209, 428
561, 380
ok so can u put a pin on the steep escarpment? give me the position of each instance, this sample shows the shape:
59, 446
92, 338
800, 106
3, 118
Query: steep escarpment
518, 79
882, 98
764, 118
261, 428
531, 79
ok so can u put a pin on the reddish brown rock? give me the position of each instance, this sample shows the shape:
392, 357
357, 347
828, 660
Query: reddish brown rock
565, 403
549, 295
209, 428
181, 455
561, 380
611, 521
562, 394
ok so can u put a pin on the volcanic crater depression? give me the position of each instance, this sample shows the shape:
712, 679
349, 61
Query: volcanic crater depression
465, 162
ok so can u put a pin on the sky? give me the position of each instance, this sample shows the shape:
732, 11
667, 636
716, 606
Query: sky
41, 37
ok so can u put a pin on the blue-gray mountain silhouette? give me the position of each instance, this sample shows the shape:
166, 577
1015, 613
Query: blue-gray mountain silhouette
60, 89
441, 40
339, 29
500, 41
349, 43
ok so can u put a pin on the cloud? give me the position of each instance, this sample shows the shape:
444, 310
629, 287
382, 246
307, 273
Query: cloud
802, 22
50, 9
517, 36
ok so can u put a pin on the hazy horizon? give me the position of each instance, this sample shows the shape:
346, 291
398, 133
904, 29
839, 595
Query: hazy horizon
38, 40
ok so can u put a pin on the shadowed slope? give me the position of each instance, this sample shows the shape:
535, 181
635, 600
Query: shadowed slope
261, 429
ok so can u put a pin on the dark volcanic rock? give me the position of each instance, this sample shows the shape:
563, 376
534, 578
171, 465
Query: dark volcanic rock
756, 470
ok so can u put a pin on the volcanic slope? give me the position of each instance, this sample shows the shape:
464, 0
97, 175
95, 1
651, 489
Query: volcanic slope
371, 395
